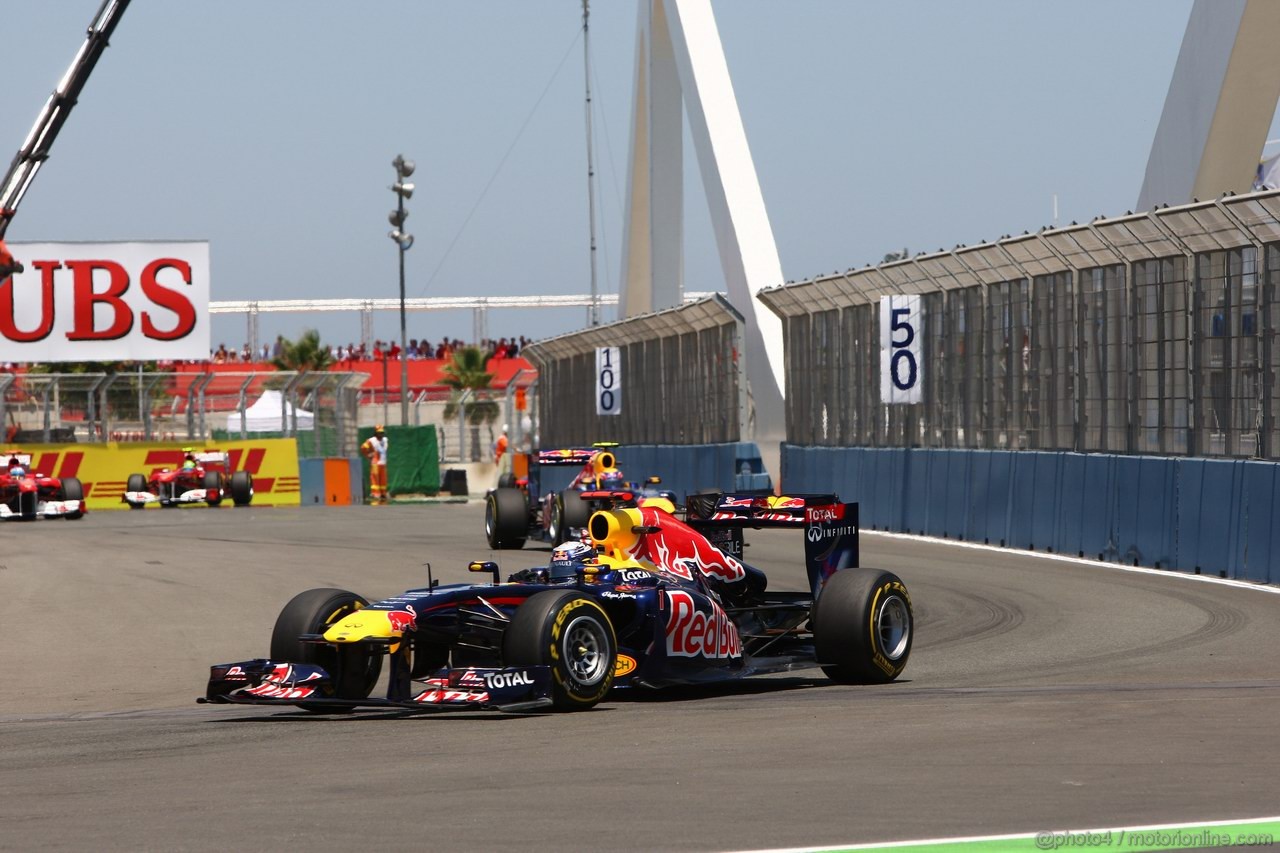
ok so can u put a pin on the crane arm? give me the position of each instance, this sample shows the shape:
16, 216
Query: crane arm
35, 150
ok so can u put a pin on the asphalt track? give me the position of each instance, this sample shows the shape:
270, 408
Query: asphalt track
1040, 695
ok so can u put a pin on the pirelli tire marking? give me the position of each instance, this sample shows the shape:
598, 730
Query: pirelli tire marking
565, 630
890, 661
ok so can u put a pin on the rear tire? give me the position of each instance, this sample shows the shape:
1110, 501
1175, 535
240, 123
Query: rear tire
73, 490
213, 482
241, 488
506, 518
352, 669
569, 632
863, 626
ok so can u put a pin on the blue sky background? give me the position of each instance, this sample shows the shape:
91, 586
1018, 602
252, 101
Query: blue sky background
268, 128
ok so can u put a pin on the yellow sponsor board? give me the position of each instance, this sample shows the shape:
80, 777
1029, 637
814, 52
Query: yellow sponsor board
104, 469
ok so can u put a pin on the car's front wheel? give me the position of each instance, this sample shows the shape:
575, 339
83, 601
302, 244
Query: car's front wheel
506, 518
353, 670
570, 633
136, 483
863, 626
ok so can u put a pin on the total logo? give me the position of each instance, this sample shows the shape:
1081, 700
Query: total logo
492, 680
815, 514
694, 633
507, 679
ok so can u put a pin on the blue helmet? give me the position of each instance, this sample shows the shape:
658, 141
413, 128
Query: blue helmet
567, 560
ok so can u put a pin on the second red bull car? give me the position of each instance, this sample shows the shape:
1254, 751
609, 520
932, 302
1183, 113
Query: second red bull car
535, 507
653, 603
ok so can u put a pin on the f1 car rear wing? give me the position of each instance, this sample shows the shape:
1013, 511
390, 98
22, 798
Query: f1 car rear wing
569, 456
747, 510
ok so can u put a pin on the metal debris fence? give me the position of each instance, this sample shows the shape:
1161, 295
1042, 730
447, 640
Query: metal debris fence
1150, 333
682, 379
179, 406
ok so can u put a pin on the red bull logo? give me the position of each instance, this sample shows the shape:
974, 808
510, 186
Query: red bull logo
694, 633
403, 620
675, 547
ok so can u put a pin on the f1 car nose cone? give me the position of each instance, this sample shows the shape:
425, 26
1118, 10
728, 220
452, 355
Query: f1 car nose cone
362, 625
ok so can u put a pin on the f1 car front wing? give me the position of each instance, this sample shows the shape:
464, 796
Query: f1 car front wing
267, 682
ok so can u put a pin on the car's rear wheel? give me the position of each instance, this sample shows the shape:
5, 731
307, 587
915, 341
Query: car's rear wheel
570, 633
73, 490
353, 670
506, 518
136, 483
241, 488
213, 484
863, 626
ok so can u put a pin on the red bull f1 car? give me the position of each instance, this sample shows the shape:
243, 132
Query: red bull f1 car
26, 494
536, 508
651, 603
205, 477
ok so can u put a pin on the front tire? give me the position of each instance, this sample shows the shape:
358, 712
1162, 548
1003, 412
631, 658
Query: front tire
574, 513
353, 670
241, 488
863, 626
136, 483
570, 633
506, 519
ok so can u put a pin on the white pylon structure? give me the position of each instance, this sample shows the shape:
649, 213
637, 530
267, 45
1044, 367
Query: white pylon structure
680, 64
1220, 104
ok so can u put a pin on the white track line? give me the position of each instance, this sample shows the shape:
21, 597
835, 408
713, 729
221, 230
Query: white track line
980, 839
1043, 555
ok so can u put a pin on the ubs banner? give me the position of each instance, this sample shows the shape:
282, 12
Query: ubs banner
106, 302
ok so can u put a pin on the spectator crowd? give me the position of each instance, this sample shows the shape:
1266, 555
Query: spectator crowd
352, 352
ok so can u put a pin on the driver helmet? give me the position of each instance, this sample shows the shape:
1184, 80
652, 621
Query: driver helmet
189, 459
612, 480
568, 559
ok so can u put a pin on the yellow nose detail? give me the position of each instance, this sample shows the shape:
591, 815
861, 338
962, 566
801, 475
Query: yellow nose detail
361, 625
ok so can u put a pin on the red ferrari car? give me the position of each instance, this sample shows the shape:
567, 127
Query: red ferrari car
205, 477
26, 494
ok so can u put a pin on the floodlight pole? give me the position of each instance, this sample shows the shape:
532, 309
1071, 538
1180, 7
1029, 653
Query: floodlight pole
403, 190
404, 351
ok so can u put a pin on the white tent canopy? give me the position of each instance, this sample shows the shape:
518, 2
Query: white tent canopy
265, 415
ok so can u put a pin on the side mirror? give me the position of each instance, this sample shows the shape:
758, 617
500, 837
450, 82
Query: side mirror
484, 566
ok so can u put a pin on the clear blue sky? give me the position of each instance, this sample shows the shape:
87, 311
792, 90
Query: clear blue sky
268, 128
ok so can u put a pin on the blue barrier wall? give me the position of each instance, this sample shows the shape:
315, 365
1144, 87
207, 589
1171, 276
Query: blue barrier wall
1210, 516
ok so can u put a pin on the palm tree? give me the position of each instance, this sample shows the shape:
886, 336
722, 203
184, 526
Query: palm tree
466, 372
307, 353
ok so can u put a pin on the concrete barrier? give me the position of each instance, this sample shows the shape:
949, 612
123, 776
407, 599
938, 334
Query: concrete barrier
1211, 516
